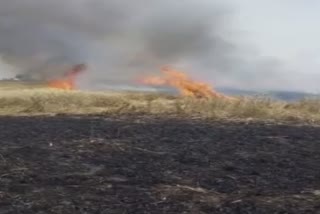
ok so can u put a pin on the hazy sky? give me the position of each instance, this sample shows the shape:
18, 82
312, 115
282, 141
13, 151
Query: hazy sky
286, 31
284, 28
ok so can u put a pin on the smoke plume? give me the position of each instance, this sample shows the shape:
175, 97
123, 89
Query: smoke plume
118, 39
122, 39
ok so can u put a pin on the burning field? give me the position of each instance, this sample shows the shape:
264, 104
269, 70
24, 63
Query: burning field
68, 147
185, 85
68, 81
170, 78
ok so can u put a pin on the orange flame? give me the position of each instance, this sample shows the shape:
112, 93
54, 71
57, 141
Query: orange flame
181, 81
68, 82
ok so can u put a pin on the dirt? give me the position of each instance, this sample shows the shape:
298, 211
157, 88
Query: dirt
137, 164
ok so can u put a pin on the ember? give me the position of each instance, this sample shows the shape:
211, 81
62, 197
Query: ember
68, 81
181, 81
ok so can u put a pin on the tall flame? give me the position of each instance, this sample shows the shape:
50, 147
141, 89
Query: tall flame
181, 81
68, 81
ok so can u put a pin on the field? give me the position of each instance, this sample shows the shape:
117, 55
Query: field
123, 152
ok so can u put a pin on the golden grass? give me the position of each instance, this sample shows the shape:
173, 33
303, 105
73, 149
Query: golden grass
22, 100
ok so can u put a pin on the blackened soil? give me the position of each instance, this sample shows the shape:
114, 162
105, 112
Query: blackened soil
87, 164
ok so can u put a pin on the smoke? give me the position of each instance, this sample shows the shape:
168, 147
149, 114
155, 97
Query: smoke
117, 38
120, 40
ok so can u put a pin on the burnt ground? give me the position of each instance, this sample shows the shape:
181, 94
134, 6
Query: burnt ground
68, 164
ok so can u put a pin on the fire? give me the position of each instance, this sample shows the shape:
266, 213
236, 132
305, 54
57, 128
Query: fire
181, 81
68, 82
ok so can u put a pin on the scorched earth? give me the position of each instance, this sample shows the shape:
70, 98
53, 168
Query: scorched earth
138, 164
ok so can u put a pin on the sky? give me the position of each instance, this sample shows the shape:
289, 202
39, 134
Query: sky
287, 30
279, 39
284, 28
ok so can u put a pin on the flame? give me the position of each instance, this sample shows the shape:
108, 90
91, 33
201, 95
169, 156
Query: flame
68, 82
181, 81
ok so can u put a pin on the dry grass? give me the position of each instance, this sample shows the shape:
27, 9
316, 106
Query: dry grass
21, 100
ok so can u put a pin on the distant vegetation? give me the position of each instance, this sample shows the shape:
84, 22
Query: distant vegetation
290, 96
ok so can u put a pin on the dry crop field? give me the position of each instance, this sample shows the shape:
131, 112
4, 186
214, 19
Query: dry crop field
124, 152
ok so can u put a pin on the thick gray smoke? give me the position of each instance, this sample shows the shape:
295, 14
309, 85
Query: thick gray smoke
118, 39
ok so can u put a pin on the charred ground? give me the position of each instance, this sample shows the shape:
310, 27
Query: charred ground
139, 164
